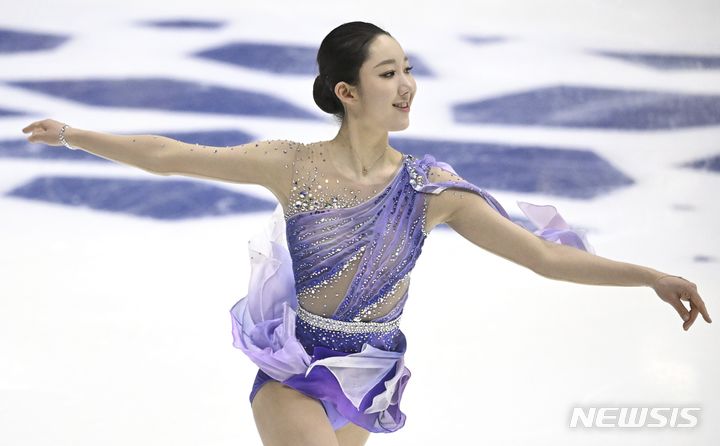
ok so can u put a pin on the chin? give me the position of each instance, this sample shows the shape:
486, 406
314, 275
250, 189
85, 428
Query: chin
399, 126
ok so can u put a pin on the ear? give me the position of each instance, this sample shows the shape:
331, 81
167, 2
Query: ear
346, 93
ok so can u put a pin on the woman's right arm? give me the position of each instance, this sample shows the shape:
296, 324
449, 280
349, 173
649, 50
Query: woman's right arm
142, 151
266, 163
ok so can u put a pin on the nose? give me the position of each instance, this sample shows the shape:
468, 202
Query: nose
406, 86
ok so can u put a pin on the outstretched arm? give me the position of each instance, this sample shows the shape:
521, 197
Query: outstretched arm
265, 163
141, 151
473, 218
571, 264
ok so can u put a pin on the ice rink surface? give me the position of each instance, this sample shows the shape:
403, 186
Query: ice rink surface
115, 284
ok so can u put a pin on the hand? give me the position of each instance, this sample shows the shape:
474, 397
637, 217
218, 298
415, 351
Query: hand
46, 131
673, 290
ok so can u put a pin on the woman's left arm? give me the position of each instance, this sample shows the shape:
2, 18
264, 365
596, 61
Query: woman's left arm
473, 218
563, 262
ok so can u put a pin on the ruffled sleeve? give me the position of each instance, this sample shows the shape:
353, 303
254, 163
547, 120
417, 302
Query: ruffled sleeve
550, 225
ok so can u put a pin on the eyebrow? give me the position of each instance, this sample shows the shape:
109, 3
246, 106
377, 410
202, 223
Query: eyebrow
387, 62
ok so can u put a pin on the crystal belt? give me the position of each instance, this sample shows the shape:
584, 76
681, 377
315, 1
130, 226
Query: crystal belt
346, 326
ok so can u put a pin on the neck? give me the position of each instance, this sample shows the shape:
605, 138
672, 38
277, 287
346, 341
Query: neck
356, 146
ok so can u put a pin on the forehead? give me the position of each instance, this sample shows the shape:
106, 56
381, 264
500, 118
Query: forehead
383, 48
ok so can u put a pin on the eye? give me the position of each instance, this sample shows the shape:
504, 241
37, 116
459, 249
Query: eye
408, 69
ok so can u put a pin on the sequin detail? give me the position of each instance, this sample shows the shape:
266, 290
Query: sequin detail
315, 191
370, 311
417, 180
352, 258
311, 295
345, 326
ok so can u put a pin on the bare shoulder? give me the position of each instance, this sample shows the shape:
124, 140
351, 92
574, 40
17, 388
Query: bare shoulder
442, 206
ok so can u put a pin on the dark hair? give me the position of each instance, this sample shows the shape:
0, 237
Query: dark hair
339, 58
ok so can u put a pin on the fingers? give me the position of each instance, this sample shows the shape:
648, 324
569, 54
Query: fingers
697, 306
33, 126
698, 302
35, 135
35, 129
680, 308
693, 315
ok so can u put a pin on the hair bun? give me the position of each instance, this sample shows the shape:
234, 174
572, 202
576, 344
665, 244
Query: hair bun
325, 97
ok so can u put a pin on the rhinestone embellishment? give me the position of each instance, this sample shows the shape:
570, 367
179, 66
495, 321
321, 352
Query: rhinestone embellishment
345, 326
307, 195
417, 177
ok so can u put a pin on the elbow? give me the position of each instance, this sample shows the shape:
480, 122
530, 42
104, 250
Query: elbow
541, 267
152, 166
162, 158
159, 164
543, 264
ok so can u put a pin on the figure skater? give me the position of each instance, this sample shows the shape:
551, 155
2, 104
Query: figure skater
330, 273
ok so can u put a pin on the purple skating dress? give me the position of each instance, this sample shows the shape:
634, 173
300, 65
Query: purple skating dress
329, 280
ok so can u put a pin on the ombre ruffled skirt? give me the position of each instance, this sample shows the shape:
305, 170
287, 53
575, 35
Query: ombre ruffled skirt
362, 385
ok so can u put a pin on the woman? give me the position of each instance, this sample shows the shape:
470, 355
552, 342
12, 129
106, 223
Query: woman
330, 275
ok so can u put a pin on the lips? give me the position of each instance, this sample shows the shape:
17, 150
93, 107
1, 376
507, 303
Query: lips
402, 106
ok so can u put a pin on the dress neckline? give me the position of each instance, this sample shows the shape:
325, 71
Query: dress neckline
396, 175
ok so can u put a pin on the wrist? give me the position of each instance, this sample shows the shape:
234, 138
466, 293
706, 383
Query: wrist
661, 276
653, 277
68, 136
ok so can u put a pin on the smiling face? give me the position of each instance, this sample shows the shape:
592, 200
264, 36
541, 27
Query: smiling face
385, 79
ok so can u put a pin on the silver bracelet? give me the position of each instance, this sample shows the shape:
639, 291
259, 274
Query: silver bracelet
62, 137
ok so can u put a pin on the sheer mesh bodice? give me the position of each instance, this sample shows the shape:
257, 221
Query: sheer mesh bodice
352, 248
